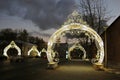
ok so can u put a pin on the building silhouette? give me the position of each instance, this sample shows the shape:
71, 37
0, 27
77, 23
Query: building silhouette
111, 38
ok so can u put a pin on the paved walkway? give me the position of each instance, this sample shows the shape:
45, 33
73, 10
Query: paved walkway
36, 70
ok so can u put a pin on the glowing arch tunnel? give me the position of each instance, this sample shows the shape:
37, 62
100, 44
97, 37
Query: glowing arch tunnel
35, 50
12, 45
43, 50
71, 26
79, 47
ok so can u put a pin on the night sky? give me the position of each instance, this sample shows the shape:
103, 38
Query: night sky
35, 14
43, 17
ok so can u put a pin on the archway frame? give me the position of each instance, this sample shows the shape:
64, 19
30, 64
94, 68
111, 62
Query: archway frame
12, 45
79, 47
34, 49
58, 33
43, 50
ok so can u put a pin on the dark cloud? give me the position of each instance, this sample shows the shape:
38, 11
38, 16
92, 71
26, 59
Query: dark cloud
44, 13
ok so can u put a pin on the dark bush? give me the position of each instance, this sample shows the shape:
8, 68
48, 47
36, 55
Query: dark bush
3, 58
19, 60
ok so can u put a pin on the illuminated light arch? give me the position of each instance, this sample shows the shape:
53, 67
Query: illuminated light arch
43, 50
98, 40
34, 49
78, 46
12, 45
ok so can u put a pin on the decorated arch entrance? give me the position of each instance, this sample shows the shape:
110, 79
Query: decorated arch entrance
76, 46
34, 49
77, 24
12, 45
43, 53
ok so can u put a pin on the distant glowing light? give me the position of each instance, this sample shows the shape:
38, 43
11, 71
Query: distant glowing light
12, 45
66, 54
76, 46
34, 49
43, 50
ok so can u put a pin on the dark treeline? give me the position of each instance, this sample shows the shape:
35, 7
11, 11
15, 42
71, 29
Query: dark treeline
21, 35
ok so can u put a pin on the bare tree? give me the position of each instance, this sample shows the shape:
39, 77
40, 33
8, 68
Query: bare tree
94, 13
